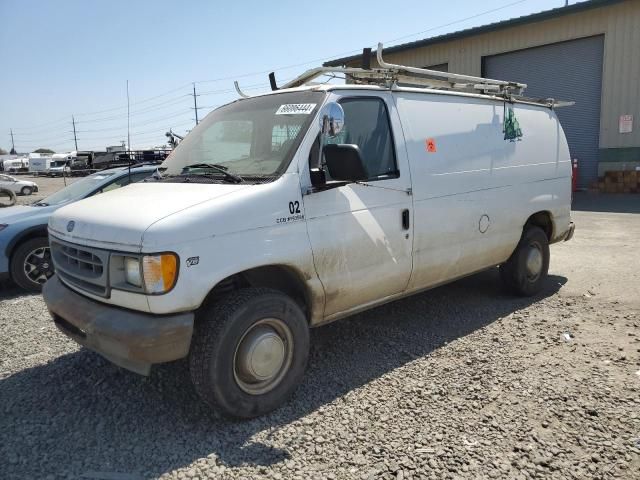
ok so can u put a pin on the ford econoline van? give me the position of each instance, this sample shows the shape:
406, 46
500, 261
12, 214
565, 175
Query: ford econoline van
288, 210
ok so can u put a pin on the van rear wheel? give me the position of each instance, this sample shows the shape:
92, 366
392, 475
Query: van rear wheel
526, 270
249, 351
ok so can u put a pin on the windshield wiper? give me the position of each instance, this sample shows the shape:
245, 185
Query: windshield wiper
216, 168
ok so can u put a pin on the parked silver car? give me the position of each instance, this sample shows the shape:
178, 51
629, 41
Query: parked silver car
21, 187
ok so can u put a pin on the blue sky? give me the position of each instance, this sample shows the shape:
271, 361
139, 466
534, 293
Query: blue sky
73, 57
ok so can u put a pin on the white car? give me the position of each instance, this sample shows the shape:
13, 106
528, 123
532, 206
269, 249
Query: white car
291, 209
22, 187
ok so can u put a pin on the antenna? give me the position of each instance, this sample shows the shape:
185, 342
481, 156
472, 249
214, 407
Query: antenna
128, 124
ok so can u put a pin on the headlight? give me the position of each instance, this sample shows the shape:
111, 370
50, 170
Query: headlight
3, 226
153, 273
132, 272
159, 272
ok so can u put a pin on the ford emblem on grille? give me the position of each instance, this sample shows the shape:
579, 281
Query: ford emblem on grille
70, 226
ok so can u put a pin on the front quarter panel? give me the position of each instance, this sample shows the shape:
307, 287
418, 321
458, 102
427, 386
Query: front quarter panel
260, 226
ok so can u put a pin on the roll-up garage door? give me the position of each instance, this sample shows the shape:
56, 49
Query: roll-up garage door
567, 71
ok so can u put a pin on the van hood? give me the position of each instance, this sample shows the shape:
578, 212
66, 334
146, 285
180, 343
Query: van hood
123, 215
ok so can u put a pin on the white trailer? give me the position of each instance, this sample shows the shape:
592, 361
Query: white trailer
39, 164
15, 164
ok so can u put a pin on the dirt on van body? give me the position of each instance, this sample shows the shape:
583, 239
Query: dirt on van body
463, 381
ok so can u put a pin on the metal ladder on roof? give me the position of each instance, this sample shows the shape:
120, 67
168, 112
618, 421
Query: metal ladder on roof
394, 76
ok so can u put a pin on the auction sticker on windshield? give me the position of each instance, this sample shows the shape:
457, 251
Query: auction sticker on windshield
296, 109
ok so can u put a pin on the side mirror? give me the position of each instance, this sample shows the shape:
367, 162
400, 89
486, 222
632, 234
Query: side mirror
331, 120
344, 162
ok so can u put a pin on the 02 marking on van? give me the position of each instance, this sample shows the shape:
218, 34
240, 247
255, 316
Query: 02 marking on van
294, 207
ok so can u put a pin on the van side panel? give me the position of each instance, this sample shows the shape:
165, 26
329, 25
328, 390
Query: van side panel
474, 190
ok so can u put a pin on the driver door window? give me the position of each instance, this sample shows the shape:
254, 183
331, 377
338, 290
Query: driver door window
367, 125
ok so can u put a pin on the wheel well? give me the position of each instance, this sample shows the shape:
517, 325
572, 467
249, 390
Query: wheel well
543, 220
30, 233
278, 277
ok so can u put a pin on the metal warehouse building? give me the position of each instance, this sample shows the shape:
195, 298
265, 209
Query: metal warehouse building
587, 52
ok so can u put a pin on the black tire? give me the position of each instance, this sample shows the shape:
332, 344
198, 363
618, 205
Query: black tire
26, 191
526, 270
221, 333
36, 252
10, 197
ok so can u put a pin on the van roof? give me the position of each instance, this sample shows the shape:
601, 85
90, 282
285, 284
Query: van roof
399, 88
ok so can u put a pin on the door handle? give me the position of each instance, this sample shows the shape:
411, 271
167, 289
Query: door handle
405, 219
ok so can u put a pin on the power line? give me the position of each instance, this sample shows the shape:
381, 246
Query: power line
135, 102
156, 120
138, 112
30, 131
457, 21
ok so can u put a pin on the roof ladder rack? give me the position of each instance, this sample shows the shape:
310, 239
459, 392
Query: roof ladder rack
452, 81
391, 75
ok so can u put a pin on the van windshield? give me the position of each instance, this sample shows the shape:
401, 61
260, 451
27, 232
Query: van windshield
253, 137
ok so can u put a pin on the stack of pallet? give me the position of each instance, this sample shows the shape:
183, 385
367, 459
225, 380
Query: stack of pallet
620, 182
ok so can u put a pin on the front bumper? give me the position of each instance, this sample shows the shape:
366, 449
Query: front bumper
130, 339
572, 229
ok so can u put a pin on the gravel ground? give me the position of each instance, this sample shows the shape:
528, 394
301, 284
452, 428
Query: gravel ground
459, 382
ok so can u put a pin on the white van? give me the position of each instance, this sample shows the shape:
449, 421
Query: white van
61, 164
246, 239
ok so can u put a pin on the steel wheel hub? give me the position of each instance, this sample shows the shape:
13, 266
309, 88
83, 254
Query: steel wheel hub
263, 356
534, 262
37, 265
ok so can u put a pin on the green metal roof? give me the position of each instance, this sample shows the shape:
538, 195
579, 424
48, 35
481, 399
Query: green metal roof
512, 22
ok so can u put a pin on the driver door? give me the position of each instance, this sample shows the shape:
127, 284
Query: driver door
361, 234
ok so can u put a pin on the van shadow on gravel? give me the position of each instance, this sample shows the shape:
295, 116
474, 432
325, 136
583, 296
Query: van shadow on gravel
80, 414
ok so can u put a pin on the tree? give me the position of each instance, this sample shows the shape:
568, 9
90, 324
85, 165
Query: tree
3, 151
43, 150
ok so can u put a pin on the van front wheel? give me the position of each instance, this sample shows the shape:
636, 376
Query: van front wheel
249, 351
526, 270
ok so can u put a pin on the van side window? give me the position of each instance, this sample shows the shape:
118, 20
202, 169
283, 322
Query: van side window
367, 125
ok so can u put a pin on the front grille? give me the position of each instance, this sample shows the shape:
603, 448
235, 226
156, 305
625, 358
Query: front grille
82, 261
83, 267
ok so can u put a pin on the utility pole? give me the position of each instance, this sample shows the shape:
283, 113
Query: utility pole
75, 138
195, 103
13, 145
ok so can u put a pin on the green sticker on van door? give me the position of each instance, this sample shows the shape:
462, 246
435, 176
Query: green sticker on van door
512, 131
